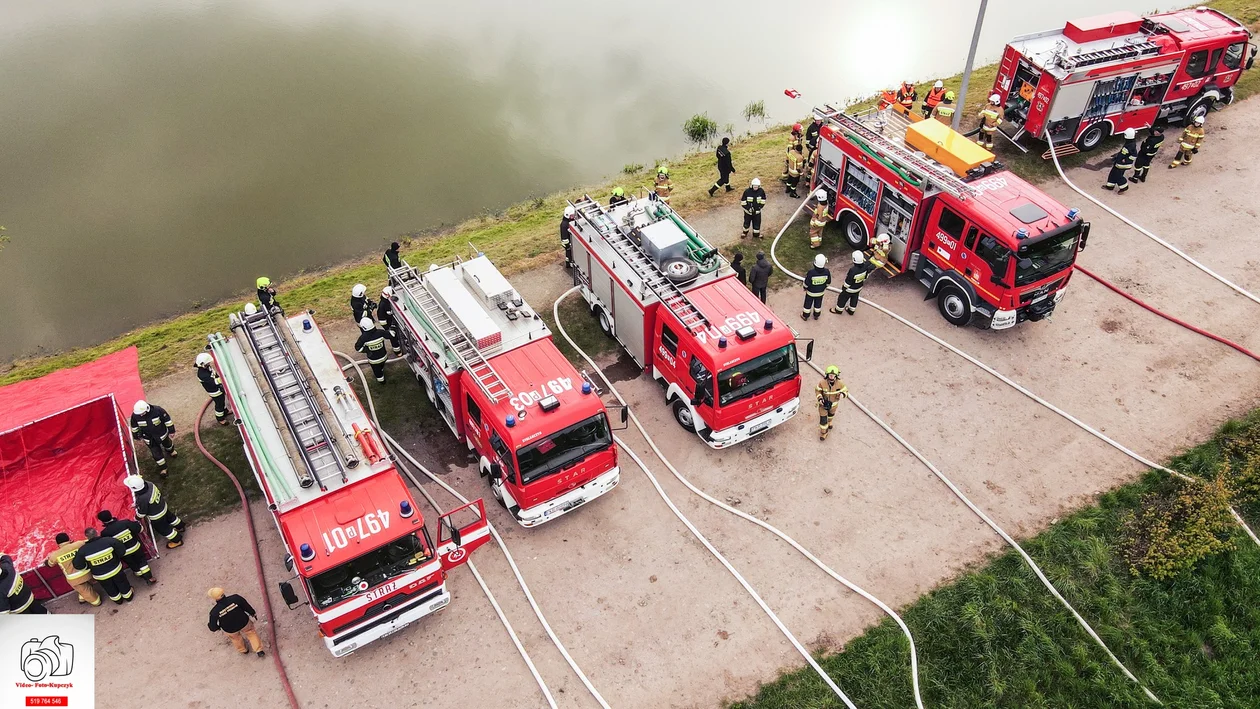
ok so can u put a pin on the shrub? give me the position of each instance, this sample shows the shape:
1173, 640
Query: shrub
632, 168
700, 129
757, 110
1174, 529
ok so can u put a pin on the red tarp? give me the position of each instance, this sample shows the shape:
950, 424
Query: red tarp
64, 450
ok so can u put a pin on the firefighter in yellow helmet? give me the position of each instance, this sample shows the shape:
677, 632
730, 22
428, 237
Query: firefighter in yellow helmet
818, 219
663, 186
944, 111
829, 390
1188, 146
990, 119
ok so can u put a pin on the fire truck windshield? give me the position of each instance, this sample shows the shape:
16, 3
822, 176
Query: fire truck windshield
756, 375
1046, 257
544, 457
371, 569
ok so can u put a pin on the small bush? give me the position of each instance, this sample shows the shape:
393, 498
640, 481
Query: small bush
700, 129
757, 110
1174, 530
632, 168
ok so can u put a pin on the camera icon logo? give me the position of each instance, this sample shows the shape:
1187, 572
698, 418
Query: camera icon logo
46, 658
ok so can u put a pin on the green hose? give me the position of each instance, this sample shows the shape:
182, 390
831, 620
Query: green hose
697, 249
886, 162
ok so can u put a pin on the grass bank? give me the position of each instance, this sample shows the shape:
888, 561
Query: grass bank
996, 638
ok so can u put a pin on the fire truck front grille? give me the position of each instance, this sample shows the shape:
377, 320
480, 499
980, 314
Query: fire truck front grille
392, 603
1028, 297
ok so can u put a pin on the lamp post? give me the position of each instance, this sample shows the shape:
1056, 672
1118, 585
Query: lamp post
971, 60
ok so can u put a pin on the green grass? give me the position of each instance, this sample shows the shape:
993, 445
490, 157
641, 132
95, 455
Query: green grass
996, 638
196, 489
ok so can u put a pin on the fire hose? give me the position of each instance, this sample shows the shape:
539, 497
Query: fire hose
258, 565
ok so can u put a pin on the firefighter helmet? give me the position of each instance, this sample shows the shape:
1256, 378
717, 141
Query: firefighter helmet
1199, 120
359, 290
263, 281
821, 195
204, 359
366, 324
618, 192
858, 257
387, 292
1130, 133
141, 408
939, 85
135, 483
883, 239
832, 369
820, 261
250, 309
908, 82
796, 127
756, 182
662, 170
569, 211
949, 96
995, 99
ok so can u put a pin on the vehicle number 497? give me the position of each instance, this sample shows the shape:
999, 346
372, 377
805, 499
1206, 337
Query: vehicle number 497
362, 528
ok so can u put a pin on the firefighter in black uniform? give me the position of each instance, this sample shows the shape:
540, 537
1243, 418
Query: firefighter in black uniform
816, 281
360, 305
235, 617
618, 197
1122, 162
104, 556
153, 426
372, 343
152, 506
15, 596
725, 167
267, 295
391, 259
210, 381
386, 317
127, 532
811, 142
566, 234
853, 282
1146, 153
753, 201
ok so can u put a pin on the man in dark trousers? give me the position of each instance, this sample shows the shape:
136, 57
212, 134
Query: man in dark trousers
1146, 153
759, 277
151, 425
811, 142
853, 282
386, 317
267, 295
737, 265
372, 343
391, 259
210, 381
360, 305
565, 234
127, 532
235, 617
152, 506
753, 201
15, 596
816, 281
1122, 162
104, 556
725, 167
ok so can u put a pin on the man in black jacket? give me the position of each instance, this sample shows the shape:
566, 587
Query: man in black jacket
151, 425
811, 142
127, 532
361, 306
15, 595
372, 343
213, 385
565, 235
151, 505
737, 265
391, 259
816, 281
104, 556
235, 617
759, 277
1146, 153
853, 282
386, 317
753, 201
267, 295
725, 167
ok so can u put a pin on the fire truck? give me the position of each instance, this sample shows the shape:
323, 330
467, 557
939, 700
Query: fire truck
727, 363
1100, 75
352, 532
991, 248
489, 366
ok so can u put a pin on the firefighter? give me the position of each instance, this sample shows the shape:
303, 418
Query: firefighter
103, 556
851, 291
934, 96
944, 111
830, 390
795, 140
753, 201
816, 281
210, 381
618, 197
663, 187
818, 219
1191, 139
811, 142
151, 425
80, 580
391, 258
759, 276
235, 617
127, 532
906, 95
792, 171
566, 233
360, 305
990, 119
1146, 153
725, 167
372, 343
387, 318
267, 295
1122, 162
15, 596
152, 506
879, 251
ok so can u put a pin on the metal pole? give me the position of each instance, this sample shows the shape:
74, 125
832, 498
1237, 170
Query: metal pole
971, 60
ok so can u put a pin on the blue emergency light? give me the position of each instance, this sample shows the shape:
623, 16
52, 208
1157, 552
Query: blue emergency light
306, 552
1021, 234
404, 509
586, 387
769, 324
511, 421
1073, 212
722, 343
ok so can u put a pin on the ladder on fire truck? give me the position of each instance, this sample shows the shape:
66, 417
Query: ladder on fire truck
649, 274
1101, 56
294, 398
940, 176
453, 338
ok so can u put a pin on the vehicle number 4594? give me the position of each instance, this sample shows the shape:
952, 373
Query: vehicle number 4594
362, 528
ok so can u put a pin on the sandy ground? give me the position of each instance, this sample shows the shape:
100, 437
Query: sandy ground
649, 615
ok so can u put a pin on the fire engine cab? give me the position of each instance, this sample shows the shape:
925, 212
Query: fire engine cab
490, 368
1100, 75
991, 248
727, 362
351, 528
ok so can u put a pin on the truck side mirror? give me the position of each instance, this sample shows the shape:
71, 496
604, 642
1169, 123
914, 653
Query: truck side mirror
625, 414
809, 350
496, 472
288, 594
1080, 245
288, 562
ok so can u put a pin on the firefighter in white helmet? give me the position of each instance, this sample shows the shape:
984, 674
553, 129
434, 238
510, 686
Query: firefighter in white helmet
879, 250
360, 305
151, 505
566, 234
372, 344
151, 425
1122, 162
818, 219
853, 282
990, 118
209, 378
387, 318
753, 201
934, 96
906, 96
816, 281
1191, 139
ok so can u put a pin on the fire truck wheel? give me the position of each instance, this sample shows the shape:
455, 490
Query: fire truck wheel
953, 304
1093, 137
1200, 107
680, 270
605, 323
682, 414
854, 230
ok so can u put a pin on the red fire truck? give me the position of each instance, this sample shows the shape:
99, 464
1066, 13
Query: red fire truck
1100, 75
353, 533
491, 370
991, 248
727, 362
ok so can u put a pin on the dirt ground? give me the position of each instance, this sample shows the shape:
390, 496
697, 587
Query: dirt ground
649, 615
